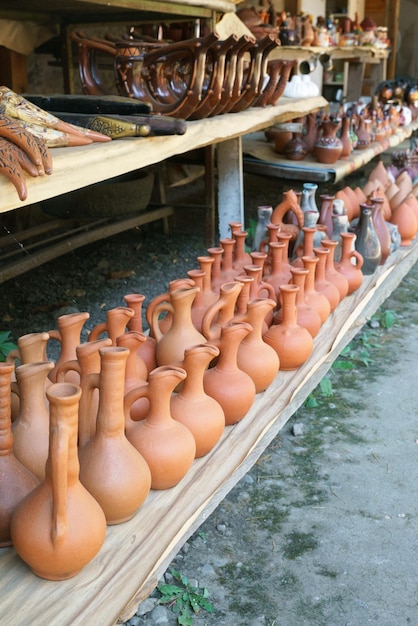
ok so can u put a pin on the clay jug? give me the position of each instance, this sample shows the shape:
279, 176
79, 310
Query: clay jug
404, 218
16, 480
280, 269
346, 138
165, 320
364, 134
136, 372
46, 529
117, 320
264, 214
87, 362
241, 256
31, 426
216, 253
222, 311
311, 132
181, 334
322, 284
289, 203
111, 469
367, 242
259, 288
68, 334
166, 445
192, 406
208, 294
331, 273
309, 238
314, 298
328, 147
227, 272
255, 356
292, 342
226, 382
31, 348
340, 225
244, 296
306, 316
351, 262
381, 229
325, 216
146, 350
200, 305
309, 190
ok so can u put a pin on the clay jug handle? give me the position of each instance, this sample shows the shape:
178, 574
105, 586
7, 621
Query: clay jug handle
66, 367
263, 286
163, 297
55, 334
13, 355
208, 318
134, 394
97, 331
59, 467
155, 326
359, 259
87, 421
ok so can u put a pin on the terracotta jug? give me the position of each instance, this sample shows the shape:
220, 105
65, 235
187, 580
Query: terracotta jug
87, 362
328, 147
16, 480
346, 137
241, 256
404, 218
381, 229
181, 334
165, 319
222, 311
322, 284
68, 334
216, 253
325, 214
309, 238
208, 294
289, 203
46, 529
200, 303
227, 272
292, 342
111, 469
280, 269
367, 242
306, 316
146, 350
340, 225
351, 262
31, 348
226, 382
31, 426
167, 445
136, 372
364, 134
314, 298
331, 273
255, 356
117, 320
192, 406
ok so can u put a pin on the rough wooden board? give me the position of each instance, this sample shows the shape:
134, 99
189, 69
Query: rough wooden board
136, 553
81, 166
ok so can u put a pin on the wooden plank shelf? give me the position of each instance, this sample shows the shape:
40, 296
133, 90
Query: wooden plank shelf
137, 553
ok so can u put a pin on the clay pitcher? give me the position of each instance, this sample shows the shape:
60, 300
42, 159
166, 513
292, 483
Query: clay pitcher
181, 334
381, 229
165, 321
331, 273
280, 273
136, 372
46, 529
167, 446
322, 284
314, 298
351, 262
31, 426
292, 342
111, 469
226, 382
146, 350
222, 311
328, 147
255, 356
306, 316
87, 362
16, 480
192, 406
117, 320
367, 241
68, 334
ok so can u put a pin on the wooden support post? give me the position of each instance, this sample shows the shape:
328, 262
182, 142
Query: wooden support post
354, 80
230, 184
13, 70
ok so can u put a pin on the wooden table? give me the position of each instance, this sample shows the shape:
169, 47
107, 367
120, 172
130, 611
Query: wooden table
136, 554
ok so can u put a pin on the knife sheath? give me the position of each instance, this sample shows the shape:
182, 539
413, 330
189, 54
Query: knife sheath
118, 126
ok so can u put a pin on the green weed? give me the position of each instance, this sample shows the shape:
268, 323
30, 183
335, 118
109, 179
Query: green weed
184, 598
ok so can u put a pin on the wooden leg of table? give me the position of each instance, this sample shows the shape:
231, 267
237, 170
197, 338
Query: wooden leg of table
230, 184
354, 81
13, 70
